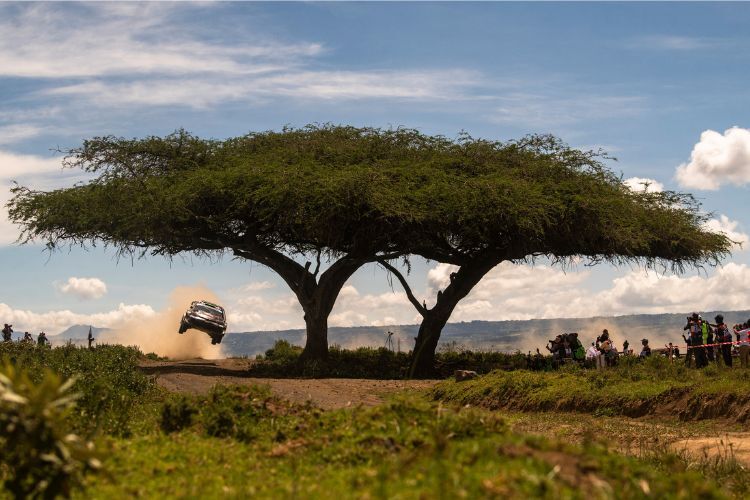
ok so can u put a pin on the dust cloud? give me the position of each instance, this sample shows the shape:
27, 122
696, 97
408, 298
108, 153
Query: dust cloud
158, 334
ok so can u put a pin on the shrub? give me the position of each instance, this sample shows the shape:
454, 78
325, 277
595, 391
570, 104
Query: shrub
41, 457
107, 379
177, 414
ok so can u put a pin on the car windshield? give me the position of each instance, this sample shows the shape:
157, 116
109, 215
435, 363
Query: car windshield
209, 310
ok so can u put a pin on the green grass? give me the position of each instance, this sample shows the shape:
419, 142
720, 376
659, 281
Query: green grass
402, 449
633, 388
242, 441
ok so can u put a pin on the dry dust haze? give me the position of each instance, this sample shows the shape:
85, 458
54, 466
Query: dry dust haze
158, 334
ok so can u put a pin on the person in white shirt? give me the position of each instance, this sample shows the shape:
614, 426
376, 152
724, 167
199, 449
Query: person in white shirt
592, 352
744, 344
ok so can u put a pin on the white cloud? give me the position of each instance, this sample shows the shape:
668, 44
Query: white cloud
730, 228
201, 91
256, 286
550, 109
642, 183
84, 288
10, 134
674, 42
118, 41
717, 159
128, 57
57, 321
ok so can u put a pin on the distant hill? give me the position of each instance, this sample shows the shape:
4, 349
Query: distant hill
78, 332
523, 335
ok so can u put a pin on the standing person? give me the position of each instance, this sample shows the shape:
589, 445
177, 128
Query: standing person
27, 338
42, 339
744, 345
724, 337
646, 350
625, 347
592, 352
708, 339
7, 333
696, 340
688, 352
91, 338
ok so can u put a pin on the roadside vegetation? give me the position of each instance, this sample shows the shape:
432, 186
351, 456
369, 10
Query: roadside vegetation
241, 441
633, 388
283, 360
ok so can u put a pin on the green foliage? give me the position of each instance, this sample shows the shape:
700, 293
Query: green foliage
363, 190
106, 378
41, 458
406, 448
283, 360
177, 413
283, 352
633, 388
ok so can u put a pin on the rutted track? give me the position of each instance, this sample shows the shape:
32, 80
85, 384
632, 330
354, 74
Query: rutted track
197, 376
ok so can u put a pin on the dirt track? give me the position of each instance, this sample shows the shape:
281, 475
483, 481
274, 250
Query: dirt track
199, 375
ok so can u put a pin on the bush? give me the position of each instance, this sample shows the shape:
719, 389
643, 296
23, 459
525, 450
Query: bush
41, 457
177, 414
107, 379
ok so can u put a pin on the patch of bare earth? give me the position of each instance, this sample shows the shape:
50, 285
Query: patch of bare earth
198, 376
732, 445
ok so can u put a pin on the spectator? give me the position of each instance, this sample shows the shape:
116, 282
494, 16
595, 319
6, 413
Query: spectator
646, 350
7, 333
744, 345
724, 337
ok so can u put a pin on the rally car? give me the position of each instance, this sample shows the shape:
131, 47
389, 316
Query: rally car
206, 317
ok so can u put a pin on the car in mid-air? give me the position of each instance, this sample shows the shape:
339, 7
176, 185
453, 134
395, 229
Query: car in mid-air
207, 317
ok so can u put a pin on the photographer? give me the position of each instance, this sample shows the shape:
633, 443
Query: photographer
7, 333
696, 340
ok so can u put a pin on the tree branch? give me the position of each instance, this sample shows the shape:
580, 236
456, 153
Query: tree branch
420, 309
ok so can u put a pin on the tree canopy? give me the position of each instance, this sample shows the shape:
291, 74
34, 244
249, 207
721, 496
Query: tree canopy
356, 195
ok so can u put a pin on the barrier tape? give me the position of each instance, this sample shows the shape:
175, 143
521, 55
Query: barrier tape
746, 342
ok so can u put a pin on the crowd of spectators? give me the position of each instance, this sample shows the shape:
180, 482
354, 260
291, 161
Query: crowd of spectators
705, 343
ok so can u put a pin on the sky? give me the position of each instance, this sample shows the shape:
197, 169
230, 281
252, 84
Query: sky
660, 86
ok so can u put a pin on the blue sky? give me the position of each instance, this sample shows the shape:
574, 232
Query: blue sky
658, 85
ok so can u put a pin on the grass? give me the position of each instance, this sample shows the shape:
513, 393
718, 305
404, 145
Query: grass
242, 441
407, 448
633, 388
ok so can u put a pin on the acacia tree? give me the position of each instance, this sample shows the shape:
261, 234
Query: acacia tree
522, 200
269, 197
350, 196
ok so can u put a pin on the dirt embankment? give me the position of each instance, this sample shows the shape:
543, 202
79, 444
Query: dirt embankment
197, 376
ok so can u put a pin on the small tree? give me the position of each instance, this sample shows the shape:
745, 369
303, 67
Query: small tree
41, 457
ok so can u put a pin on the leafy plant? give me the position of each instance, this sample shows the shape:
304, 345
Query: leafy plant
41, 457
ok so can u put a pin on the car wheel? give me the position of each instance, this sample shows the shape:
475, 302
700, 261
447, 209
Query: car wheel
183, 327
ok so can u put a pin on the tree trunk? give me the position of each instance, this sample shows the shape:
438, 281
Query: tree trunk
316, 345
462, 281
423, 365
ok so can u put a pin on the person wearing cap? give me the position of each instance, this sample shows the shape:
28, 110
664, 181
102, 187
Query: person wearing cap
724, 337
696, 340
646, 350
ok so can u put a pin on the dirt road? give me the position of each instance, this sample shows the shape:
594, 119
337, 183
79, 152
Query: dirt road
197, 376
